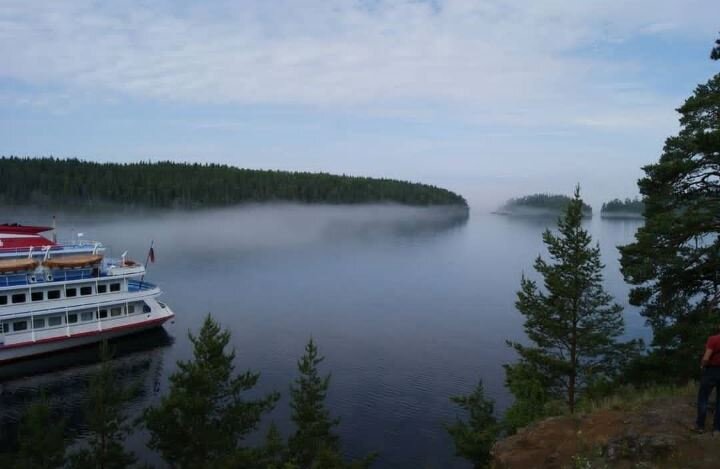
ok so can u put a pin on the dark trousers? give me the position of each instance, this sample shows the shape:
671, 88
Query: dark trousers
710, 379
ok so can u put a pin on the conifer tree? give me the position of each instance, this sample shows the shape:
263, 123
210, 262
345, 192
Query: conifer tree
40, 438
107, 424
572, 324
674, 263
314, 426
314, 443
205, 416
474, 439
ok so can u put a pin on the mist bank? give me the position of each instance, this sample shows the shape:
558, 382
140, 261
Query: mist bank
51, 181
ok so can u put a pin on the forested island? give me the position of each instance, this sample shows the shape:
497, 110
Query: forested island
56, 181
539, 204
628, 208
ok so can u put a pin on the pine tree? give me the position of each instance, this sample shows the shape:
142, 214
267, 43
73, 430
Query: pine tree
106, 423
314, 444
474, 439
572, 324
314, 426
715, 53
40, 438
203, 419
675, 259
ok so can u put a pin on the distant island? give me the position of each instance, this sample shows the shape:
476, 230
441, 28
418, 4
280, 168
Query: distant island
539, 205
52, 181
628, 208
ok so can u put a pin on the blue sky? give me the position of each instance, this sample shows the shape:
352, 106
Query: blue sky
489, 98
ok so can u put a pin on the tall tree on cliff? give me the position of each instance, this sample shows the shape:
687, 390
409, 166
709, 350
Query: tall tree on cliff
674, 263
202, 421
572, 323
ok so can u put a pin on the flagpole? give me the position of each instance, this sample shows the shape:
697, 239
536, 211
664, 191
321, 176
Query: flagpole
147, 259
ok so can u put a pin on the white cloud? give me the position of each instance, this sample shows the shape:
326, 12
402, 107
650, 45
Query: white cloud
386, 55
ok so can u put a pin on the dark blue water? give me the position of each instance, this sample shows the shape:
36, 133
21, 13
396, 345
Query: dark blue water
409, 306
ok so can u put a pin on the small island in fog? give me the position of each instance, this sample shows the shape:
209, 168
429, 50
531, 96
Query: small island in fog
539, 205
628, 208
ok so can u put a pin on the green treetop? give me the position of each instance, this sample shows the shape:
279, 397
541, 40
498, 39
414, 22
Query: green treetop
674, 263
40, 439
314, 443
106, 423
572, 324
475, 437
202, 420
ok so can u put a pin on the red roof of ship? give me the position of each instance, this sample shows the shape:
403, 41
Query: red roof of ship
15, 236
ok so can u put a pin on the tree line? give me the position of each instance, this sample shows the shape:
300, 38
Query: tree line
631, 206
573, 352
546, 202
167, 184
204, 421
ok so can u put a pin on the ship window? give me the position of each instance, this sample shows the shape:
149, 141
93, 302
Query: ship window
102, 314
84, 291
53, 294
54, 321
102, 288
131, 309
87, 315
72, 318
114, 287
19, 326
115, 311
37, 296
3, 299
6, 327
18, 298
146, 308
38, 323
70, 292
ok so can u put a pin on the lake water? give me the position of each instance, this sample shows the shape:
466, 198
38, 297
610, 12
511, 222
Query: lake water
410, 306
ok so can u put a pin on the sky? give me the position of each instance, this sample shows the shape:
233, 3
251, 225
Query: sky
488, 98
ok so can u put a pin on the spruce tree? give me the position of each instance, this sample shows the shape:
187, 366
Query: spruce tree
314, 443
675, 259
314, 426
107, 424
205, 416
572, 324
40, 439
474, 439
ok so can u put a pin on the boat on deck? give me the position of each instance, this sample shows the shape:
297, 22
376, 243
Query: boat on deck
55, 296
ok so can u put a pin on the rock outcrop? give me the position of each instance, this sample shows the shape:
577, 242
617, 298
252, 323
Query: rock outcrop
654, 434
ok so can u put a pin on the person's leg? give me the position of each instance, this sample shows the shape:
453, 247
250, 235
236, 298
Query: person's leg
702, 400
716, 383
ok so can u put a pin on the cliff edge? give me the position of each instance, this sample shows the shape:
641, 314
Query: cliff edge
652, 433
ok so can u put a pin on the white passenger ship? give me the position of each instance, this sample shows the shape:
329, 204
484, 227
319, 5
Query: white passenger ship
55, 296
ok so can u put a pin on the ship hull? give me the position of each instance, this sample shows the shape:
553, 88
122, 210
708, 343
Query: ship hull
17, 352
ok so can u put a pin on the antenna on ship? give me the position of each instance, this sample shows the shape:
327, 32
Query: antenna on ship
54, 232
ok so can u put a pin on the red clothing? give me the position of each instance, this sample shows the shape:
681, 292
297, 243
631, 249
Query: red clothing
713, 344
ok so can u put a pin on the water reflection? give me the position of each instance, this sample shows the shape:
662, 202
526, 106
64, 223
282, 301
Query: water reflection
63, 380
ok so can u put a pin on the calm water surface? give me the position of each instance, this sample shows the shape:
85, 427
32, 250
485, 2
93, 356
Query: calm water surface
409, 307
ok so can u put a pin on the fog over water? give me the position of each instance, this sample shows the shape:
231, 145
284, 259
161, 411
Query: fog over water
409, 305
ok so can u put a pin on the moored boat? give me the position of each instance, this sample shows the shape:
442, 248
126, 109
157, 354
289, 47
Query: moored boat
55, 296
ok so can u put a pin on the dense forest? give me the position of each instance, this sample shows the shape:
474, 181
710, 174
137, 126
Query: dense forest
168, 184
627, 207
540, 203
